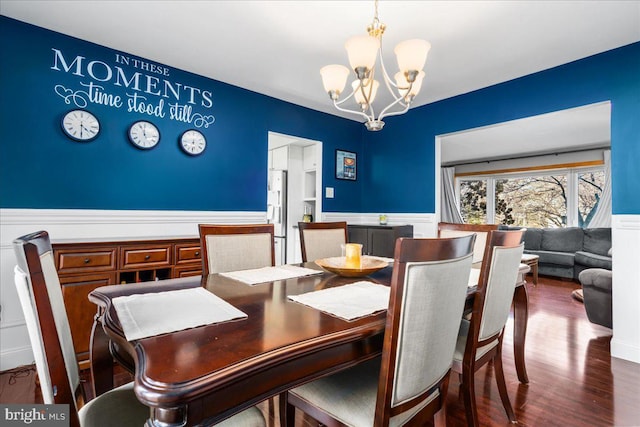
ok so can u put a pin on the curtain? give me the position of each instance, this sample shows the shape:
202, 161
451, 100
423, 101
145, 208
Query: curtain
450, 205
602, 218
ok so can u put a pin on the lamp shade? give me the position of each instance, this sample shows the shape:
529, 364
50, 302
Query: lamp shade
334, 77
403, 84
369, 91
412, 54
362, 51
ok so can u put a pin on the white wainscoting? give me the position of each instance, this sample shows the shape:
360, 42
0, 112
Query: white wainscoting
625, 343
84, 225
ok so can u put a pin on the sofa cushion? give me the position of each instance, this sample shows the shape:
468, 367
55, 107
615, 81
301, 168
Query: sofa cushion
592, 260
597, 240
533, 239
562, 239
553, 257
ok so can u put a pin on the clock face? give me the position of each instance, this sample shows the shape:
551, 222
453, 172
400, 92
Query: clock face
80, 125
144, 135
193, 142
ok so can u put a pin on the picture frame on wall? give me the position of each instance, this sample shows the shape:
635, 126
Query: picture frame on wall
346, 165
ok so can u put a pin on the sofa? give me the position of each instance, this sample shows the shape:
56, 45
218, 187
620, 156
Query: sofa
596, 293
565, 252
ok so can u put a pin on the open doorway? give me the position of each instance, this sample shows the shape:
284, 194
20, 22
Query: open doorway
294, 191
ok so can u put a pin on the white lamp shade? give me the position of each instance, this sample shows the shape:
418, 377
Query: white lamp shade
369, 91
412, 54
362, 51
334, 77
403, 84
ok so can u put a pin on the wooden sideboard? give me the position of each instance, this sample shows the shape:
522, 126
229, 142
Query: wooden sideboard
378, 240
85, 266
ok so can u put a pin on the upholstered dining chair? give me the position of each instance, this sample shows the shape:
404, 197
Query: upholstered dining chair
450, 229
41, 298
480, 336
409, 382
236, 247
322, 239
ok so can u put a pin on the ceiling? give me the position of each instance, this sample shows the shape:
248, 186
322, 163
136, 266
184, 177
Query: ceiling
277, 47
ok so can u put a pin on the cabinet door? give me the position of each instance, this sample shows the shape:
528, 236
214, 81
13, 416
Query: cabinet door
382, 242
75, 291
359, 235
309, 157
280, 158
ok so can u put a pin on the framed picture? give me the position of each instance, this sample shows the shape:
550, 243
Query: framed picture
346, 164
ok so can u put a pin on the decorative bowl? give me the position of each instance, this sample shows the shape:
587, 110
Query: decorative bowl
337, 265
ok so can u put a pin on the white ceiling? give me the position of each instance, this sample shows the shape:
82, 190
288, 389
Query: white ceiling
277, 47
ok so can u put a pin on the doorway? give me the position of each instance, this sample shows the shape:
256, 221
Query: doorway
301, 161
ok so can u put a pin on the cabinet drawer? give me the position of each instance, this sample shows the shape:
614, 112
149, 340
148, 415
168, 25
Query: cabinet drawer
146, 256
79, 260
188, 254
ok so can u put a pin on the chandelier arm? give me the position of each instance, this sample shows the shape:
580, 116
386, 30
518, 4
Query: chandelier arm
387, 79
346, 110
384, 113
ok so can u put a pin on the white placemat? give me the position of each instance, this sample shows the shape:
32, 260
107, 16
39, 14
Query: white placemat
348, 301
270, 274
146, 315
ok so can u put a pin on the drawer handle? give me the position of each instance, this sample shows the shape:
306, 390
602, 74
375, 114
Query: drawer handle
87, 260
197, 253
147, 256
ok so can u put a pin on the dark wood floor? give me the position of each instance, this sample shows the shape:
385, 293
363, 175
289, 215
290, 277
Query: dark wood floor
573, 379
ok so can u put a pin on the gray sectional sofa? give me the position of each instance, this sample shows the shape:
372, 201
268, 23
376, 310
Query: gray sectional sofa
565, 252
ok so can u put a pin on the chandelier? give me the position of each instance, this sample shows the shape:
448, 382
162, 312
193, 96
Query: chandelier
363, 51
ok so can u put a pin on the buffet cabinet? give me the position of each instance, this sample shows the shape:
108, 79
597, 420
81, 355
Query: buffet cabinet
378, 240
85, 266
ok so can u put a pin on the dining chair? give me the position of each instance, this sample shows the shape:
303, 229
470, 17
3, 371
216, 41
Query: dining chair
480, 336
236, 247
42, 302
409, 381
322, 239
450, 229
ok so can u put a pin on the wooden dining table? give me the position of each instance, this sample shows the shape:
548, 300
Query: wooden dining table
205, 374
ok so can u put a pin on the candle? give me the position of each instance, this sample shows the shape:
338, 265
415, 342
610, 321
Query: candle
353, 253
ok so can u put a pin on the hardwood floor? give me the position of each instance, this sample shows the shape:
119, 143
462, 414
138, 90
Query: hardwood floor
573, 379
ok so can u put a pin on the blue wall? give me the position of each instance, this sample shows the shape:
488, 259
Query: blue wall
41, 168
401, 178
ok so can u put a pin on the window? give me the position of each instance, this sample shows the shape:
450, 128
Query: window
558, 198
473, 201
590, 185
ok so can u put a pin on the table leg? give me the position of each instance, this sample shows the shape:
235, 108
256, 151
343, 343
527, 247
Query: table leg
520, 317
534, 271
101, 359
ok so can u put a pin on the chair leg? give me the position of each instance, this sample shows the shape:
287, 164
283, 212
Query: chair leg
287, 411
502, 385
467, 387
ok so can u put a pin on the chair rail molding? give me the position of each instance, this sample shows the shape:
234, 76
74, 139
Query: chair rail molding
67, 225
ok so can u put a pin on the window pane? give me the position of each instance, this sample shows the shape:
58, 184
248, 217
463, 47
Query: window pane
535, 201
590, 185
473, 201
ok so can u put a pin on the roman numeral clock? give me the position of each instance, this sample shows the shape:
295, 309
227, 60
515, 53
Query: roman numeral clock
80, 125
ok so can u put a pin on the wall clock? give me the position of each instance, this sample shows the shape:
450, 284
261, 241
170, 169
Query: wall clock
144, 135
193, 142
80, 125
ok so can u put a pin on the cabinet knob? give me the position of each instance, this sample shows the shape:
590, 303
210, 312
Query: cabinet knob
197, 253
87, 260
147, 256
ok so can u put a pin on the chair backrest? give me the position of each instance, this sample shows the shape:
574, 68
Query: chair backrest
428, 293
322, 239
40, 295
496, 285
450, 229
236, 247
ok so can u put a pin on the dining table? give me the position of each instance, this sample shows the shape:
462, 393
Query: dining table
202, 375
